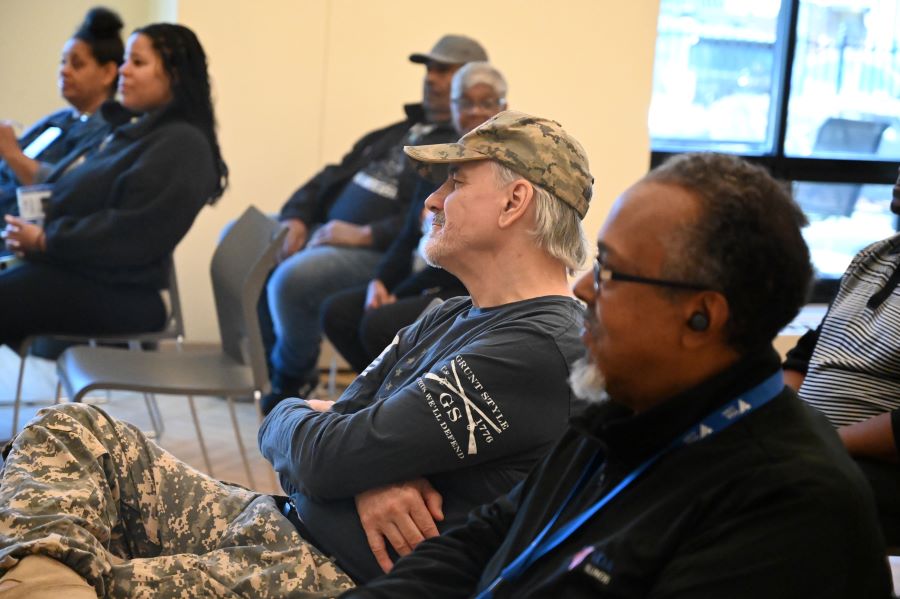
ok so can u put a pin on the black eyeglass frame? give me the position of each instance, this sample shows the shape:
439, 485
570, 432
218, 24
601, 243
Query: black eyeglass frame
604, 273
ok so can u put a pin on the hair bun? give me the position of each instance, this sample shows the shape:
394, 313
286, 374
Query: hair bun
100, 23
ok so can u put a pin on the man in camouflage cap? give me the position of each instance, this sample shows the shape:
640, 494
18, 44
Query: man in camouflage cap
535, 148
690, 470
452, 414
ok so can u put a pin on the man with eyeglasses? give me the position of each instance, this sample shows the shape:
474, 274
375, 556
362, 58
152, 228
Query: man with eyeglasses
689, 469
452, 414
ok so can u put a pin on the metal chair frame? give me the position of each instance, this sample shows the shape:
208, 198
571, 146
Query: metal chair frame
239, 269
173, 329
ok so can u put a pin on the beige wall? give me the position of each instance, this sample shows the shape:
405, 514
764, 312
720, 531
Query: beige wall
296, 82
32, 33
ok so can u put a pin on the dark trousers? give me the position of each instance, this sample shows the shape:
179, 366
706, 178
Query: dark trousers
360, 336
40, 298
884, 478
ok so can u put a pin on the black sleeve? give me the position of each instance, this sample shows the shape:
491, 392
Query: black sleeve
492, 398
304, 203
780, 544
309, 203
450, 565
798, 357
385, 231
152, 206
397, 261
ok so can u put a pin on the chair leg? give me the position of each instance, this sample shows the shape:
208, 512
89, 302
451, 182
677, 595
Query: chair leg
156, 420
332, 376
209, 469
273, 479
237, 435
159, 419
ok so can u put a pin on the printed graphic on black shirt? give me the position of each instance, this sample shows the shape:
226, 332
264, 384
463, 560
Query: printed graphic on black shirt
463, 409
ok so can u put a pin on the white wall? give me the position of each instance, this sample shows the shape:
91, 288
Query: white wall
296, 82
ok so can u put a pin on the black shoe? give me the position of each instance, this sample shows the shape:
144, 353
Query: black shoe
284, 387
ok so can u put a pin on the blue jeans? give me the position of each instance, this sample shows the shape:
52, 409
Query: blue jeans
296, 292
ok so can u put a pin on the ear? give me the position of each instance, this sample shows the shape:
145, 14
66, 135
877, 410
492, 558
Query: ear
518, 197
714, 307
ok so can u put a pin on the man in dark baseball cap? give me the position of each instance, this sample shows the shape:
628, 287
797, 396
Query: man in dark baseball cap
342, 220
446, 57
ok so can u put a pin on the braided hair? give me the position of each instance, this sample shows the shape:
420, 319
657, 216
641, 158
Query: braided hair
184, 60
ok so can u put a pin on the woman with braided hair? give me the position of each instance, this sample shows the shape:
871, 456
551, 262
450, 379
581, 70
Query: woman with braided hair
97, 263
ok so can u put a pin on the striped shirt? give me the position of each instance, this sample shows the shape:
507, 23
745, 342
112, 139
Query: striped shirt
854, 371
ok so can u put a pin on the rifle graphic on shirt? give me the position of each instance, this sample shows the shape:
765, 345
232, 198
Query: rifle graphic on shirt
468, 404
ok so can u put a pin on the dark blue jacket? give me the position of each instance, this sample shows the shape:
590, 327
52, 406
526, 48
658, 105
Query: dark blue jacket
78, 138
118, 216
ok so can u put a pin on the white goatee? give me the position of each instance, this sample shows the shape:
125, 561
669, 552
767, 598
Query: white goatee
587, 382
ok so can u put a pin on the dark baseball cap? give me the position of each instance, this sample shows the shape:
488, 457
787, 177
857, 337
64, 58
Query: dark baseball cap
453, 49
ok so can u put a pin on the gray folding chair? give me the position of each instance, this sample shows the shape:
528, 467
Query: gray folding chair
173, 329
239, 269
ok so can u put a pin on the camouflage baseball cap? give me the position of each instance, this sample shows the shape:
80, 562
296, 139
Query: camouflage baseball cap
536, 148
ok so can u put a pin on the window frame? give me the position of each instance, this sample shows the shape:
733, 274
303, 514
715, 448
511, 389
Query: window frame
791, 168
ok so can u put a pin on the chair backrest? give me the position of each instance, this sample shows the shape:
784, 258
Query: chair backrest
175, 320
848, 135
836, 137
240, 266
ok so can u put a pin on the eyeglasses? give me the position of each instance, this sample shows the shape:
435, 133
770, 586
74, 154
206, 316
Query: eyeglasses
603, 273
464, 104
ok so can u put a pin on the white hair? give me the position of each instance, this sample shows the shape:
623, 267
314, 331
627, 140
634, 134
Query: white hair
557, 226
473, 73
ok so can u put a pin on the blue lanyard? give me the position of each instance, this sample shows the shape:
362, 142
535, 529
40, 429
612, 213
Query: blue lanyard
719, 420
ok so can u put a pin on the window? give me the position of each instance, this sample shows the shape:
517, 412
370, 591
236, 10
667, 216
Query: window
808, 88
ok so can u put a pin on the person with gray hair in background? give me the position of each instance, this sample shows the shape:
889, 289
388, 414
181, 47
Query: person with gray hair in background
360, 322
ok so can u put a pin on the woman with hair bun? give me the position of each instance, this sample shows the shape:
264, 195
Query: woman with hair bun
103, 253
87, 78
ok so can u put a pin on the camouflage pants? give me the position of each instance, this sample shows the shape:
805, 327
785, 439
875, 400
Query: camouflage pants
95, 494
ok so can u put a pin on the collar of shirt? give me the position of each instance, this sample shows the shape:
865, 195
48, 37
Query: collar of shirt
631, 438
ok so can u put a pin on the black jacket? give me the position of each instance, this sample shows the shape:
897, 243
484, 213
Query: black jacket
312, 202
118, 217
770, 507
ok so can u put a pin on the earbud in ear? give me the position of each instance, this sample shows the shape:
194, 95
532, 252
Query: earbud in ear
698, 322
